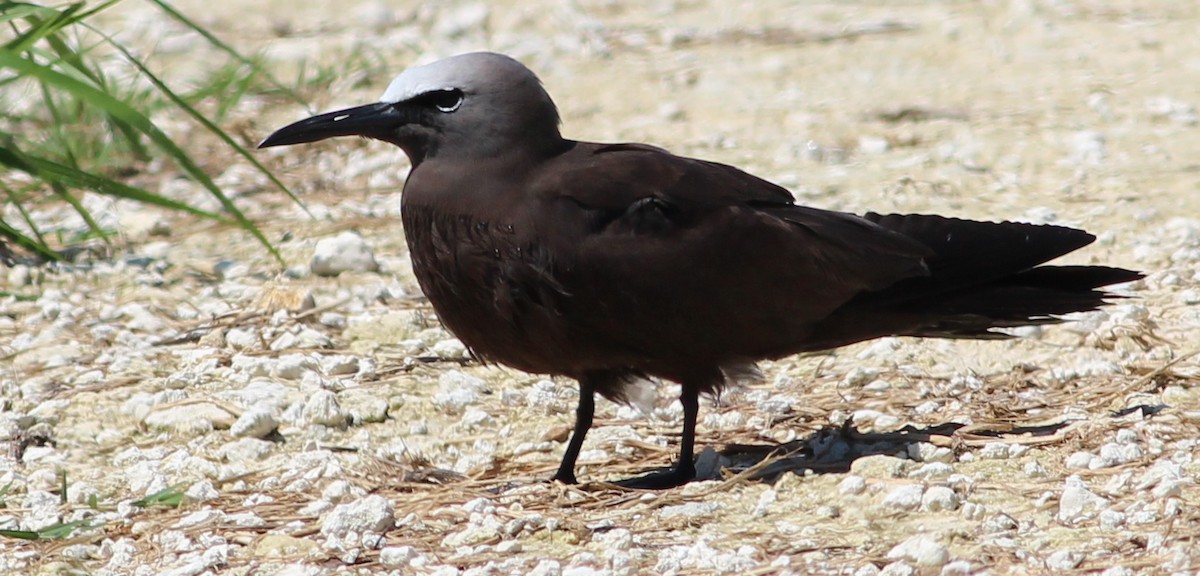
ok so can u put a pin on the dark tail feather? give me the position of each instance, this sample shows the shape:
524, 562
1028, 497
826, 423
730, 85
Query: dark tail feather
1036, 297
967, 252
985, 275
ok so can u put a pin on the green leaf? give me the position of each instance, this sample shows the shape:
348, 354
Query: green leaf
125, 113
55, 172
172, 497
170, 94
55, 532
257, 67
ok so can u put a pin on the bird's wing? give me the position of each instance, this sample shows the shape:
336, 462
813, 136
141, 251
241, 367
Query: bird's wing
675, 254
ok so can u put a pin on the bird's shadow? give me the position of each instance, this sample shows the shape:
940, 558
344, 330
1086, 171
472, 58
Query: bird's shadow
833, 449
827, 450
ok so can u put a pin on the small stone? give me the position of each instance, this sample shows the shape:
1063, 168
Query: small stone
939, 498
1111, 520
245, 449
874, 419
397, 555
201, 491
827, 512
230, 269
1063, 560
509, 547
1077, 503
898, 568
1034, 469
339, 365
873, 145
372, 514
456, 391
921, 550
80, 551
547, 567
765, 501
932, 470
879, 466
994, 451
241, 338
689, 510
868, 570
322, 408
294, 366
254, 423
190, 417
958, 568
926, 452
366, 408
346, 252
906, 497
282, 545
852, 485
332, 320
1080, 460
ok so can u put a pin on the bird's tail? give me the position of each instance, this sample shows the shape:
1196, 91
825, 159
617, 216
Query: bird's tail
987, 275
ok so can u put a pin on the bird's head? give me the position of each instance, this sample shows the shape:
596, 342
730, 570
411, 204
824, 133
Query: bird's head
472, 105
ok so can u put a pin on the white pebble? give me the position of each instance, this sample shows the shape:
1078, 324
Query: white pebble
1077, 502
994, 451
852, 485
906, 497
346, 252
371, 514
1080, 460
457, 390
254, 423
509, 547
939, 498
921, 550
1034, 469
397, 555
322, 408
1063, 560
898, 568
958, 568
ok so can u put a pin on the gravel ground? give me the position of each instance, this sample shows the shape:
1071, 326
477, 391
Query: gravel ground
320, 421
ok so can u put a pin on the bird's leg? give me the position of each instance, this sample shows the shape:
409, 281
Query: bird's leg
684, 470
583, 421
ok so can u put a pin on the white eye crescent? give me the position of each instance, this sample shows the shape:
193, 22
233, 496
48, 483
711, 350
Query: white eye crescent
445, 101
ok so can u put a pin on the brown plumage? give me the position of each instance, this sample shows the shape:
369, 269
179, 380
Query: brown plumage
612, 262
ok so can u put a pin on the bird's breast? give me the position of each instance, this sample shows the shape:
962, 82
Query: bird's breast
492, 287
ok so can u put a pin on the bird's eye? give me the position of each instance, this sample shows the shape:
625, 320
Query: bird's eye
444, 100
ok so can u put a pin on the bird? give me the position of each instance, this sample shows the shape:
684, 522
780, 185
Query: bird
619, 263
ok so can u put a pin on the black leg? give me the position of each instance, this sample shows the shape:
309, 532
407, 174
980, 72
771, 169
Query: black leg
685, 468
583, 421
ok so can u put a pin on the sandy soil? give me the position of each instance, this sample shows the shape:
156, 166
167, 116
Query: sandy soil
1069, 112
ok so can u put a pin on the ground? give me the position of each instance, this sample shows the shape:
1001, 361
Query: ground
326, 425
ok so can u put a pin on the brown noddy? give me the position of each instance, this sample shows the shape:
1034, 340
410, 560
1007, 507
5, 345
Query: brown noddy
610, 263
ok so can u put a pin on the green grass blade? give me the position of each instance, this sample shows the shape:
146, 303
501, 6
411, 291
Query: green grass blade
54, 172
43, 22
172, 497
183, 105
20, 206
124, 112
37, 247
62, 192
172, 12
55, 532
21, 534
